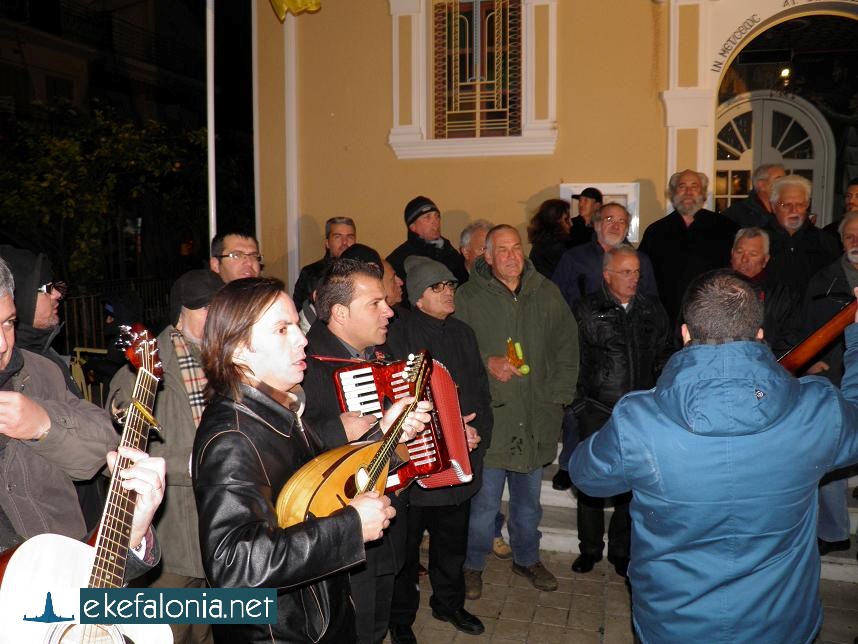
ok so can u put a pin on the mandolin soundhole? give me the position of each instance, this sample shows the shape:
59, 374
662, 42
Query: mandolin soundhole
86, 634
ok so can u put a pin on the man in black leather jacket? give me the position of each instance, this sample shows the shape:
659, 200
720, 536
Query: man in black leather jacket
249, 444
624, 341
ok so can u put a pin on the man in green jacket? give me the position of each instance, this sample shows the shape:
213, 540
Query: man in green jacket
507, 299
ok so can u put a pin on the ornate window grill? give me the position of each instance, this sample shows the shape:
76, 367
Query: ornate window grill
477, 68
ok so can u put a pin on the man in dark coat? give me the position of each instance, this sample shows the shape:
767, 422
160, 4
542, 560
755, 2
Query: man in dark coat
798, 248
756, 209
352, 323
340, 234
689, 241
423, 220
443, 512
625, 341
781, 306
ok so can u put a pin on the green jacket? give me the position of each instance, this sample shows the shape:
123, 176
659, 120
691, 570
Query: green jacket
528, 411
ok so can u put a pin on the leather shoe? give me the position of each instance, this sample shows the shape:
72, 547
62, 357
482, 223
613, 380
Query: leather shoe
584, 563
462, 620
621, 565
402, 634
832, 546
561, 480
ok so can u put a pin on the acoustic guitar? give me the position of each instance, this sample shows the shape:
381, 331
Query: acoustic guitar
332, 479
42, 578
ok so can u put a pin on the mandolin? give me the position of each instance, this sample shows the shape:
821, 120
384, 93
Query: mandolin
332, 479
802, 353
42, 578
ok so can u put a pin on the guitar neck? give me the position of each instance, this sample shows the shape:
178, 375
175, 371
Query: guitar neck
114, 533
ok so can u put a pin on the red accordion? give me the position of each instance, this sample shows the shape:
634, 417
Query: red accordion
438, 456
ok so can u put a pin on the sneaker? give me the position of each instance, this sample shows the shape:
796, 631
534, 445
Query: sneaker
539, 575
473, 583
501, 548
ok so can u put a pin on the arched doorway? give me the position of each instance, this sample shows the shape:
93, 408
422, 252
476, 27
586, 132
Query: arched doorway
766, 127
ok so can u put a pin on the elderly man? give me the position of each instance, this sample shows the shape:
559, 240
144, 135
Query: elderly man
423, 220
179, 407
798, 248
50, 437
340, 234
443, 511
827, 292
625, 341
723, 458
472, 241
507, 298
235, 255
756, 209
689, 241
579, 272
750, 257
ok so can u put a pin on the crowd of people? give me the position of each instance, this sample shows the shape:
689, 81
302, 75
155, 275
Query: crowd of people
655, 368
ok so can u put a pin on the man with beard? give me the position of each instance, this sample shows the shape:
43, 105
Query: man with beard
756, 209
750, 257
798, 248
353, 317
689, 241
827, 292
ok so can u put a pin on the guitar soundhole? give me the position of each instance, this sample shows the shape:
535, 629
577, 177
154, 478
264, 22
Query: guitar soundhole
86, 634
350, 487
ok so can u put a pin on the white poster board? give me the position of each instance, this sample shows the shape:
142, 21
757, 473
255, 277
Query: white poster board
627, 194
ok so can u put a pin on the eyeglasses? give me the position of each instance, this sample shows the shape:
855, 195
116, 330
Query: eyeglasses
60, 287
237, 254
793, 207
440, 286
626, 273
615, 220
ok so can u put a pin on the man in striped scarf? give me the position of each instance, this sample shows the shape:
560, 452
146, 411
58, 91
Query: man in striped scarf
178, 408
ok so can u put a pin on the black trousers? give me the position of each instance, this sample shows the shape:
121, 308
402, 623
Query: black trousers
591, 510
448, 540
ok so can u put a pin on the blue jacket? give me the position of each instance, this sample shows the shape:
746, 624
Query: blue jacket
724, 457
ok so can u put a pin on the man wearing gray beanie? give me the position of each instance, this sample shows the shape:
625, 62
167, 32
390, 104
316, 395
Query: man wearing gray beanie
444, 512
423, 219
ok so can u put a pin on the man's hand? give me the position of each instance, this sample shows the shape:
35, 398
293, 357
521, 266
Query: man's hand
500, 368
375, 514
471, 434
21, 417
147, 477
414, 422
817, 367
355, 424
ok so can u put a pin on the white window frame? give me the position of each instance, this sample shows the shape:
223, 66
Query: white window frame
411, 141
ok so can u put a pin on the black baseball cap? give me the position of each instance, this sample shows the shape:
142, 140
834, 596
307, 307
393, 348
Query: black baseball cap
591, 192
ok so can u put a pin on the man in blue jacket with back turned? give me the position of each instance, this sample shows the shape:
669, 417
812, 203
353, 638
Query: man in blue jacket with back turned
724, 458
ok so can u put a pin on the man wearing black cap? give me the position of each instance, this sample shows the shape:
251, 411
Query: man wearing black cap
178, 407
589, 201
424, 238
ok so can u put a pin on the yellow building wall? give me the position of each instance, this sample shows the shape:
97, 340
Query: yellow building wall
612, 64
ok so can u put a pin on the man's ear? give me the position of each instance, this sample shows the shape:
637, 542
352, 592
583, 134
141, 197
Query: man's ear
686, 336
214, 265
339, 313
760, 333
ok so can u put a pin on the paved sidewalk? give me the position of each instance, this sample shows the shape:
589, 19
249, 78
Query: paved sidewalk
586, 609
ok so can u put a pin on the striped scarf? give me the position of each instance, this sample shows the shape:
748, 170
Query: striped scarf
192, 375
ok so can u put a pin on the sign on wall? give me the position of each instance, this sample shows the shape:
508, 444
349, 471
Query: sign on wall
627, 194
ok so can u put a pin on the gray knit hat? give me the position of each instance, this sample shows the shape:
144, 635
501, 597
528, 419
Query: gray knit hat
421, 273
